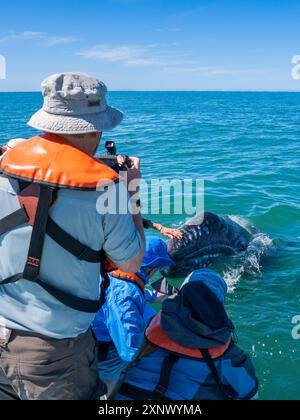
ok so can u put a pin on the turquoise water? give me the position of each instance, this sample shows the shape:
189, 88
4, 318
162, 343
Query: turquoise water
246, 147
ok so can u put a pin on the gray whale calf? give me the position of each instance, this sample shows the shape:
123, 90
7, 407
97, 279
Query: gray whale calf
206, 238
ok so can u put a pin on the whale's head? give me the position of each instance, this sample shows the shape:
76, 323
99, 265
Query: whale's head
206, 238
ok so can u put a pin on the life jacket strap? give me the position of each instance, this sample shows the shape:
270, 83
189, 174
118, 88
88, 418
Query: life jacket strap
13, 220
72, 245
12, 279
67, 299
211, 366
73, 302
158, 394
32, 267
165, 376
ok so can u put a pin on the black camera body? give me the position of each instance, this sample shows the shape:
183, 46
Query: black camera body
110, 158
111, 148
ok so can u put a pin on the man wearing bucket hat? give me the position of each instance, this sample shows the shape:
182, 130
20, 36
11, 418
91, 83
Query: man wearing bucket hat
55, 240
190, 354
120, 323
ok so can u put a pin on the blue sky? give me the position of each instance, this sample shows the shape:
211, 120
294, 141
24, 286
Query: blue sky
153, 44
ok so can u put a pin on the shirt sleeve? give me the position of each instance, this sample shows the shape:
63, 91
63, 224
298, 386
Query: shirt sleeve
125, 318
122, 241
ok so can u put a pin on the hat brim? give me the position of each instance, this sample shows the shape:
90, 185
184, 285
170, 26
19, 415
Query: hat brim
67, 124
160, 262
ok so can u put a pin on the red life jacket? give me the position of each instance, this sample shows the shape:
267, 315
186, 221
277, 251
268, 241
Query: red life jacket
53, 161
156, 336
43, 165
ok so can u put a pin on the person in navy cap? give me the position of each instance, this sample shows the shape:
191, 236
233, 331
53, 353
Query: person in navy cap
190, 353
119, 325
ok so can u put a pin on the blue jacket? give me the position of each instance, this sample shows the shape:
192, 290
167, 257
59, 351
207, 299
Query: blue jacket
122, 318
191, 379
125, 314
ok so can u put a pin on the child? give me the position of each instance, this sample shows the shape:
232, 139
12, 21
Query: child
191, 354
119, 325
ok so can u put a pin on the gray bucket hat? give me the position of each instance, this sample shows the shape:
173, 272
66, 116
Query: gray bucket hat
75, 103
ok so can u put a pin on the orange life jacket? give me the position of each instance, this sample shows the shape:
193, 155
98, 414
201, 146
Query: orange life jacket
156, 336
42, 165
52, 160
159, 339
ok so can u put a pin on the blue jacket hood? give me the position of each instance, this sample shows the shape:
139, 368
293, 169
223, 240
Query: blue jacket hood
196, 317
156, 256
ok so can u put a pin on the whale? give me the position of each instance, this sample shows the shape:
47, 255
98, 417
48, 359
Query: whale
207, 238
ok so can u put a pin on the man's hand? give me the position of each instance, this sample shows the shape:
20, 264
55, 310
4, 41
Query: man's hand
168, 232
171, 233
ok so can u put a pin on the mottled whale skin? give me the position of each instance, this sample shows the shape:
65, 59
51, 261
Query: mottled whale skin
206, 238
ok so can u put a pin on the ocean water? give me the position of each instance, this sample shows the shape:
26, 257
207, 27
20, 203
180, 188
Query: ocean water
246, 147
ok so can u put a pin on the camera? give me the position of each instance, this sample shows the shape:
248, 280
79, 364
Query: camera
111, 148
110, 158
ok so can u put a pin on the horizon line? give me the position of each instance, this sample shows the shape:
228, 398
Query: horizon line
176, 90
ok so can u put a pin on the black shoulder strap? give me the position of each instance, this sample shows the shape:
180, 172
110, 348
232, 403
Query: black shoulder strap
67, 299
73, 302
165, 376
72, 245
78, 303
211, 365
32, 267
13, 220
